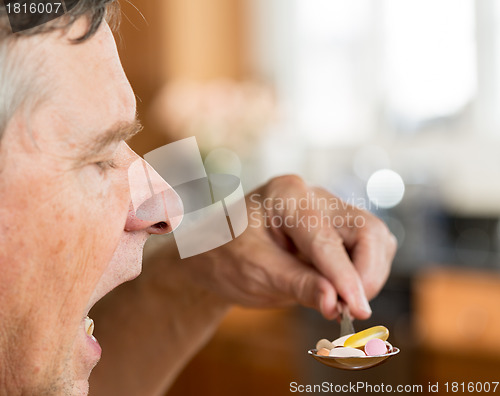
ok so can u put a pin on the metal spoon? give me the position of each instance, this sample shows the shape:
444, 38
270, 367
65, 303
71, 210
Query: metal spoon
346, 326
351, 363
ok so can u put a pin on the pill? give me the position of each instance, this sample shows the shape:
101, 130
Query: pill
323, 352
324, 343
346, 352
339, 342
360, 339
375, 347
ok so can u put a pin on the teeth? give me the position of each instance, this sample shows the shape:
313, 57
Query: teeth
89, 326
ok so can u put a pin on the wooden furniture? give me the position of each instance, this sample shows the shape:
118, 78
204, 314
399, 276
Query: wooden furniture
457, 322
253, 353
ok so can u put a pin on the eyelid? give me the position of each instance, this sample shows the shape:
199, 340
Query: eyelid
107, 164
109, 154
114, 160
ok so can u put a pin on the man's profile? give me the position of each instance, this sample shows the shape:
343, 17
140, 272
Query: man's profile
69, 234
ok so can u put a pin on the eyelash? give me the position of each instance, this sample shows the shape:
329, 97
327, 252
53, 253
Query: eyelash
106, 165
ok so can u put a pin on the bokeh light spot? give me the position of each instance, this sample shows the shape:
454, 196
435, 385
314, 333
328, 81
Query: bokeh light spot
385, 188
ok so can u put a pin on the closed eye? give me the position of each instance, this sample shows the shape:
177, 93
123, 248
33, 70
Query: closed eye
105, 165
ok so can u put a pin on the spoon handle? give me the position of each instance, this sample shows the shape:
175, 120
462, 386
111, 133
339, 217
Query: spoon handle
346, 326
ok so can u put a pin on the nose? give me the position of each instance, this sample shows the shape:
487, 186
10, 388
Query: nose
154, 206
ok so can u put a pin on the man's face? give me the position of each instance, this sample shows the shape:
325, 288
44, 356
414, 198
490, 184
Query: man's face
67, 235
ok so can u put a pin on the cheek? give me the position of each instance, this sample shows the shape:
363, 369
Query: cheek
106, 193
57, 237
103, 205
66, 236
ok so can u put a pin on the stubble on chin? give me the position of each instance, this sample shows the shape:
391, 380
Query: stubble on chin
57, 385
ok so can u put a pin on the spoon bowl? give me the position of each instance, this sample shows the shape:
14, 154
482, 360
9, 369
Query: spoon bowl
352, 363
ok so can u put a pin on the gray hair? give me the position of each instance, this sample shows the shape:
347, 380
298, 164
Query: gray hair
21, 85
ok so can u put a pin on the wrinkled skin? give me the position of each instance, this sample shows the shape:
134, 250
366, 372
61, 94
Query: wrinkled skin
67, 235
280, 261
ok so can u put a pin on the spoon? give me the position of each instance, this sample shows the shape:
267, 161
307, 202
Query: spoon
351, 363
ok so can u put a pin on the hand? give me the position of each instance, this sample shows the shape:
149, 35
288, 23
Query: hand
303, 245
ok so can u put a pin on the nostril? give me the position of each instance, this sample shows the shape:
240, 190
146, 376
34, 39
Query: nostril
161, 225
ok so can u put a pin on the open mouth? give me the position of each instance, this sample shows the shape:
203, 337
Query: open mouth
92, 350
89, 326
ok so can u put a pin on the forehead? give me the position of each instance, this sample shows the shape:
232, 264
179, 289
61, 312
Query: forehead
87, 91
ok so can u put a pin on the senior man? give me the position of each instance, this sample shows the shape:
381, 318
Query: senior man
69, 235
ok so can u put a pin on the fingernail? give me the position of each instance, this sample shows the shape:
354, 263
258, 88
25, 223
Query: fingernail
364, 305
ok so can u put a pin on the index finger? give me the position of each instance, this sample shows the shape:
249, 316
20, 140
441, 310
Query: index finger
313, 233
325, 248
368, 240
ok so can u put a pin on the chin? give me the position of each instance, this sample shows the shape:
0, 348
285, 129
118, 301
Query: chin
81, 388
86, 355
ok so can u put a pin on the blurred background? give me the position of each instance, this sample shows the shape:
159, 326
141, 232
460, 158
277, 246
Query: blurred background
394, 105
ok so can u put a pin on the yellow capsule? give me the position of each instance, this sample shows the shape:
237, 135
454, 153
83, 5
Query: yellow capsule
359, 339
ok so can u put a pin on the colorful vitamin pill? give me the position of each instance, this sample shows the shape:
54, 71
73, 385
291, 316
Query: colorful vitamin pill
346, 352
375, 347
339, 342
324, 343
323, 352
360, 339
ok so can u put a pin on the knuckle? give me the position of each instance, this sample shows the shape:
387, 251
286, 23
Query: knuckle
390, 241
374, 280
392, 244
324, 242
326, 237
287, 181
379, 231
379, 228
291, 178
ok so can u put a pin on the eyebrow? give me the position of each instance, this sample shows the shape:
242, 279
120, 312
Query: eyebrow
118, 132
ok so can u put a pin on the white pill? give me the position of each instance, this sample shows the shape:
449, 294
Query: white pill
346, 352
324, 343
339, 342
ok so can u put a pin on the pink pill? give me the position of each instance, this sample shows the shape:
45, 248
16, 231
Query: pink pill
375, 347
